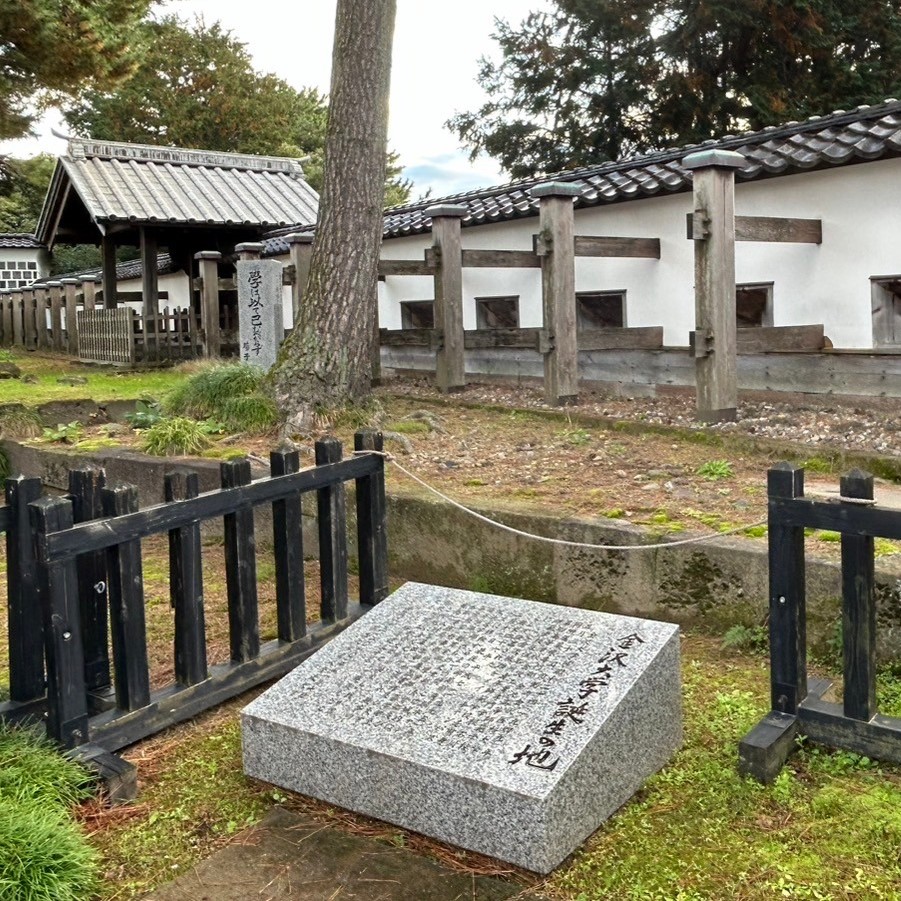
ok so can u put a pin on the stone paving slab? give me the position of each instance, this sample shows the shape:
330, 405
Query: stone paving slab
290, 856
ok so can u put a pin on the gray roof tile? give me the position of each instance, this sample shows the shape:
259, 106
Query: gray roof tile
19, 241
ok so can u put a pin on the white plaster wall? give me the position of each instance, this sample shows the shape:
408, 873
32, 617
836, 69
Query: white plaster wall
829, 283
10, 256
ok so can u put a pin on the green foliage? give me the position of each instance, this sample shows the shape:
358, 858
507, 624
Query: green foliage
50, 49
585, 82
17, 421
22, 192
177, 436
575, 437
746, 638
147, 413
252, 413
409, 427
714, 470
195, 86
65, 433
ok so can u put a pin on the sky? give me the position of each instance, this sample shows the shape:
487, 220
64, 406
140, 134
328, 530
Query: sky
437, 47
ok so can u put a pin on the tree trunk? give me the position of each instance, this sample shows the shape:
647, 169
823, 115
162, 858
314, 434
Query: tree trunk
325, 362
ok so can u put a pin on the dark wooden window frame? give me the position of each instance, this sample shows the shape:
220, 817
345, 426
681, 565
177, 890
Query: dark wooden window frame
585, 319
492, 308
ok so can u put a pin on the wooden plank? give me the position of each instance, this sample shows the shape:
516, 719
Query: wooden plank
825, 723
407, 337
240, 567
763, 751
477, 339
126, 600
70, 300
186, 585
372, 523
173, 705
501, 259
879, 522
858, 609
450, 368
639, 338
600, 246
67, 706
85, 488
770, 339
771, 229
287, 543
788, 604
24, 624
405, 267
331, 507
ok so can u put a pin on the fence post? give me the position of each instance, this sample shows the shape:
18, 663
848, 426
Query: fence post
55, 290
858, 608
450, 372
70, 287
332, 511
713, 231
6, 318
126, 600
67, 706
209, 301
287, 533
89, 291
250, 250
372, 527
301, 250
558, 290
26, 637
241, 568
186, 586
86, 487
29, 329
18, 321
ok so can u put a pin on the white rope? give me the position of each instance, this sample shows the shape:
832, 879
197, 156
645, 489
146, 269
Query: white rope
558, 541
834, 497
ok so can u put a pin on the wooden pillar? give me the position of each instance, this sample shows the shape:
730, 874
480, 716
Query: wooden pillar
89, 291
6, 319
209, 301
108, 253
18, 334
713, 230
249, 250
449, 364
42, 334
301, 245
70, 289
150, 293
29, 330
55, 290
558, 290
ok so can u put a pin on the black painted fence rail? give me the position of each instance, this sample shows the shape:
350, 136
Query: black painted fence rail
797, 705
75, 586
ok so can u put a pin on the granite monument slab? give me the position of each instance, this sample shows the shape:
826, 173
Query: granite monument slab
261, 328
513, 728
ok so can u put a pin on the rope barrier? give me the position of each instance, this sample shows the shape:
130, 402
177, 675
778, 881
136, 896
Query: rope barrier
558, 541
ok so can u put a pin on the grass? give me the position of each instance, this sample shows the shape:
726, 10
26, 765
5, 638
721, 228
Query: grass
176, 436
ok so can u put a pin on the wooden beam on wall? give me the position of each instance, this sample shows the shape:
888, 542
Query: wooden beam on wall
406, 267
600, 246
772, 229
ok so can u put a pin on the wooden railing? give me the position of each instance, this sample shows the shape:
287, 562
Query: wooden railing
84, 570
797, 705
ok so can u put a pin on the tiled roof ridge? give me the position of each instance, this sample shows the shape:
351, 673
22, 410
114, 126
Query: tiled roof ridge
770, 132
85, 148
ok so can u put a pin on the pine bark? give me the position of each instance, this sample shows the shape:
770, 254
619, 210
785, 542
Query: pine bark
325, 362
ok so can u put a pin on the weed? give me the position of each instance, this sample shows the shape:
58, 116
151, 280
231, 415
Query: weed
827, 535
17, 421
746, 638
818, 464
574, 437
147, 413
714, 470
175, 436
251, 413
409, 427
68, 433
883, 547
614, 513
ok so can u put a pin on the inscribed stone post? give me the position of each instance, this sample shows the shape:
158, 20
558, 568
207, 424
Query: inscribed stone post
261, 327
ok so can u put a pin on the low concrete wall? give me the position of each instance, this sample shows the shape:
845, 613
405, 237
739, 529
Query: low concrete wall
714, 584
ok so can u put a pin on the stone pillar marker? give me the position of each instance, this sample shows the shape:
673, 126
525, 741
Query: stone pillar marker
261, 328
70, 289
716, 366
450, 372
209, 301
558, 290
301, 247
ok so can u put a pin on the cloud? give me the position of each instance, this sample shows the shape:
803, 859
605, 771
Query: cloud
451, 173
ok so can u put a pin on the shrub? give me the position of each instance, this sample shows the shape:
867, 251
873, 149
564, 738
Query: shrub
175, 436
20, 422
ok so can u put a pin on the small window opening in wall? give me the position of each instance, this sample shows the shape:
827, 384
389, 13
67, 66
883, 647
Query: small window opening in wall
497, 312
754, 305
600, 309
886, 299
417, 314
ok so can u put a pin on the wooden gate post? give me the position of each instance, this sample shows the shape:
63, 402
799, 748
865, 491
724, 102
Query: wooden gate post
449, 365
70, 287
18, 320
209, 301
558, 290
41, 306
301, 246
713, 230
89, 291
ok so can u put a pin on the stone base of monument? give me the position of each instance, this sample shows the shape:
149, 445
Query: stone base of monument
509, 727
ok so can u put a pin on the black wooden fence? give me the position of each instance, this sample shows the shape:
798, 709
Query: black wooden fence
74, 570
797, 705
